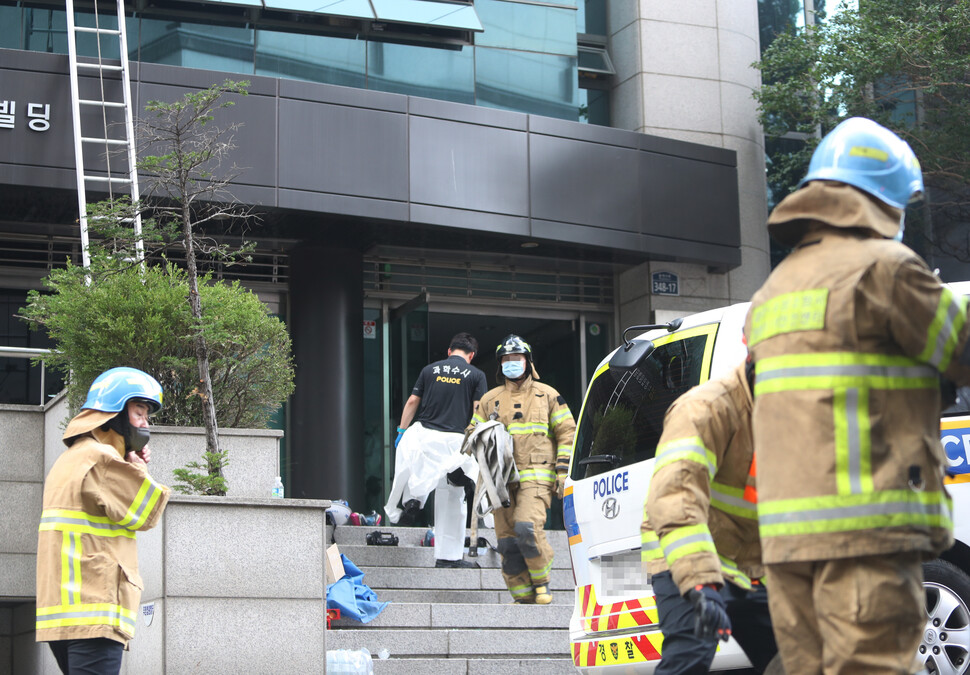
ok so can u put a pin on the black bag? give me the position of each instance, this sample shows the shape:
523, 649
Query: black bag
378, 538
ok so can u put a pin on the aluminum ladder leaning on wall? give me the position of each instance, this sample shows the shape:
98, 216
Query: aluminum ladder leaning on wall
114, 179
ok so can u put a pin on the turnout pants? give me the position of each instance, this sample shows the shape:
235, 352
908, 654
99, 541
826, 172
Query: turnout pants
852, 616
684, 654
526, 554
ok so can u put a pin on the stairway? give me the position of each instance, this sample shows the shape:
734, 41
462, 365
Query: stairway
454, 621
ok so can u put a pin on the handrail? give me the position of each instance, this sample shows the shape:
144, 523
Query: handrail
29, 353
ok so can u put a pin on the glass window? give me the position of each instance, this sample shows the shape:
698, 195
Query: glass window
594, 106
45, 30
444, 74
423, 12
195, 45
311, 57
623, 415
356, 8
541, 84
536, 28
10, 18
591, 17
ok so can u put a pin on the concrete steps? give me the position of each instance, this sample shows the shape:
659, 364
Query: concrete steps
453, 621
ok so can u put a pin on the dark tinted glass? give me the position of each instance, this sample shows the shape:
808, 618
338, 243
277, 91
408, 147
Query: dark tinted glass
623, 415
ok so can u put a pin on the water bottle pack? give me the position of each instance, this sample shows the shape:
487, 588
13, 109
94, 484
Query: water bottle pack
349, 662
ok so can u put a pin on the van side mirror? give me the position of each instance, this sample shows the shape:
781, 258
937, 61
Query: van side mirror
632, 354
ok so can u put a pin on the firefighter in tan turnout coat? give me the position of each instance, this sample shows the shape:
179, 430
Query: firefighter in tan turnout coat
96, 496
700, 531
542, 429
849, 335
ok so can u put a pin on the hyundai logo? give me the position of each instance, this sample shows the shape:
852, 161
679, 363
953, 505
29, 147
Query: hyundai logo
610, 508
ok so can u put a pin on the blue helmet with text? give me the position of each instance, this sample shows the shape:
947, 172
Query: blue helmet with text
113, 388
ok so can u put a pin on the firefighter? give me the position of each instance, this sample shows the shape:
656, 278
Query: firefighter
96, 496
700, 530
849, 335
542, 428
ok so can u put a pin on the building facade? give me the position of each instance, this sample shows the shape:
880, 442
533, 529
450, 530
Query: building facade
555, 169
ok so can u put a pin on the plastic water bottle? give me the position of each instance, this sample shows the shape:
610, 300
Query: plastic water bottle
349, 662
278, 488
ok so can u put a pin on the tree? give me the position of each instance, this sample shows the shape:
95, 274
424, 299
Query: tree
184, 190
903, 63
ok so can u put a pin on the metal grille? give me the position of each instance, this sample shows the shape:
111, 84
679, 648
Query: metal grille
44, 253
487, 282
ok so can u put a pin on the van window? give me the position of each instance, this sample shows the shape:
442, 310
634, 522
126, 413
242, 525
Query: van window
622, 418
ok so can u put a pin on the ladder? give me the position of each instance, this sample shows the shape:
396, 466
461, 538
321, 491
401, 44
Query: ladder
116, 180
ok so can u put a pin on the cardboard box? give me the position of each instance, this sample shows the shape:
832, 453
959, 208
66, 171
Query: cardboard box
335, 566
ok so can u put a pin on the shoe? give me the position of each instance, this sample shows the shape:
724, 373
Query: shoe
412, 509
543, 596
457, 563
527, 600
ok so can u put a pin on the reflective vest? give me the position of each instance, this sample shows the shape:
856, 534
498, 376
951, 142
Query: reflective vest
700, 516
849, 335
541, 426
88, 584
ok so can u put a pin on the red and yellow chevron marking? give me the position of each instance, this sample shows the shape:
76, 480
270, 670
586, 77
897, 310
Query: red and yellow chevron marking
641, 612
628, 649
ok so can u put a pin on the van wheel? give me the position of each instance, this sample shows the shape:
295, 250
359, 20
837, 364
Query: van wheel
945, 644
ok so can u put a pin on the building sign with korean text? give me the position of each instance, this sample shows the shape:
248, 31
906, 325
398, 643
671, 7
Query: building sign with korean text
665, 283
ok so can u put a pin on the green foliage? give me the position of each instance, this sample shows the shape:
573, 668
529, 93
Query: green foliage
903, 63
209, 483
615, 432
127, 316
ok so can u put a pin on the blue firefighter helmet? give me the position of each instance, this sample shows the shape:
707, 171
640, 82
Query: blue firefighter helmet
870, 157
113, 388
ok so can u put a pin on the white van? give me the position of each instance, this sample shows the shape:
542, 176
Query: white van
614, 628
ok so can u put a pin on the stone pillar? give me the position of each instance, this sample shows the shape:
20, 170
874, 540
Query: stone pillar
683, 71
326, 414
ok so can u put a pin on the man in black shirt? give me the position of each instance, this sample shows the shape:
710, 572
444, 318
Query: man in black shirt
441, 404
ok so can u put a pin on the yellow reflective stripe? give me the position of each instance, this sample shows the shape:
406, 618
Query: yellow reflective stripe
70, 567
477, 419
540, 573
844, 513
789, 313
869, 153
518, 591
518, 428
650, 546
686, 540
559, 416
729, 569
93, 614
853, 442
537, 475
944, 330
686, 449
833, 370
61, 520
142, 505
564, 450
731, 500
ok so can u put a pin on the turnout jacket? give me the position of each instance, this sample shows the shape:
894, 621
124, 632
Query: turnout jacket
849, 335
700, 515
540, 424
88, 584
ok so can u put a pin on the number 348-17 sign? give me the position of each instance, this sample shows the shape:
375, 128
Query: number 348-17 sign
665, 283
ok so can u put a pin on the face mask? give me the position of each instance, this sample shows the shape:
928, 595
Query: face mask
513, 369
137, 438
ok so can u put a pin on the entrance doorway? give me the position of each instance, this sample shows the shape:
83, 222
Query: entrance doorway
567, 347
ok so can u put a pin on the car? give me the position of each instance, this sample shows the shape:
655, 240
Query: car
614, 626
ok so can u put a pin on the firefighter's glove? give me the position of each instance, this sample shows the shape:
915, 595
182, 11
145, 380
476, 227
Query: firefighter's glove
400, 433
560, 484
711, 621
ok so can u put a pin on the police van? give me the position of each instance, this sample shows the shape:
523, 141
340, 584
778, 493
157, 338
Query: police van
614, 625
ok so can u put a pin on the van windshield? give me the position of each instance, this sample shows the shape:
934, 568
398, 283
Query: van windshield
623, 417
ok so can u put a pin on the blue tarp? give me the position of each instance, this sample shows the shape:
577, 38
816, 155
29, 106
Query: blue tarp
354, 598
